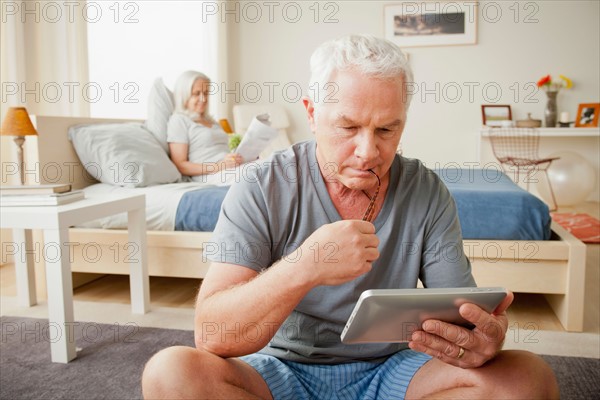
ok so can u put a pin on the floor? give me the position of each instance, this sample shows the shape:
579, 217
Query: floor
533, 326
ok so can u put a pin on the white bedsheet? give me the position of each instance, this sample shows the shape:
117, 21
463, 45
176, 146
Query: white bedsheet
161, 204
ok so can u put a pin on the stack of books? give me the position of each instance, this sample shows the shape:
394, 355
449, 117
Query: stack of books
38, 195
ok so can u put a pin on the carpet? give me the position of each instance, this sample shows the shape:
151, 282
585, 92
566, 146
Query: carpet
584, 227
112, 357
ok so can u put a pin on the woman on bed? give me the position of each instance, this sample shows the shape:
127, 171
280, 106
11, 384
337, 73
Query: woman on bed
197, 144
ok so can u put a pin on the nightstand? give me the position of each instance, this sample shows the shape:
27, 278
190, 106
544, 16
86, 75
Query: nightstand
55, 222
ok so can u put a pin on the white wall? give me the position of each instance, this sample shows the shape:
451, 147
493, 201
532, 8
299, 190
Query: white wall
564, 40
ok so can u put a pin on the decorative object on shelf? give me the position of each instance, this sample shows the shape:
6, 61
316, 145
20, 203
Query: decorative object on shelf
415, 24
529, 122
564, 120
17, 123
495, 115
551, 109
587, 115
552, 88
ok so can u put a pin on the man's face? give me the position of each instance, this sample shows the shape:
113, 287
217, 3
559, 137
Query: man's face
358, 128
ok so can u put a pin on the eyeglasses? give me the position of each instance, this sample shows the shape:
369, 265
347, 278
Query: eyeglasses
370, 211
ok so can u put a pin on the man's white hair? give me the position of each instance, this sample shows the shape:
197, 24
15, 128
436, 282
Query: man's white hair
373, 56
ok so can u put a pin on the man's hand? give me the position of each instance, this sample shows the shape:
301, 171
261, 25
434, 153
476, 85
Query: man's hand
340, 252
444, 341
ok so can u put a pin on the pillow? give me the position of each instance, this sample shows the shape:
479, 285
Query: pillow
124, 154
160, 108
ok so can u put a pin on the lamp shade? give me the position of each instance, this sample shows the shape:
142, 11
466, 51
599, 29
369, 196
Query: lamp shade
17, 123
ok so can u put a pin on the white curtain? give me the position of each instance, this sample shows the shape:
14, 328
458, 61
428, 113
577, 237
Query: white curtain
44, 57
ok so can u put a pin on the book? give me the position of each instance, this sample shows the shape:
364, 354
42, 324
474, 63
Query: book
53, 199
35, 189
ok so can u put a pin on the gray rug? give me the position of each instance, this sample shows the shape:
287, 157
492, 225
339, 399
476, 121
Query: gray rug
110, 362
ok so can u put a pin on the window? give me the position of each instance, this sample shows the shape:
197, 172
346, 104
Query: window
132, 43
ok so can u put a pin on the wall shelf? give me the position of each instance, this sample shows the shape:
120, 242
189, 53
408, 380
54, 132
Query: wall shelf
556, 132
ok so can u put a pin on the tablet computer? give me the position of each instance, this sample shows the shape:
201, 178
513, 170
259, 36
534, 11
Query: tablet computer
391, 315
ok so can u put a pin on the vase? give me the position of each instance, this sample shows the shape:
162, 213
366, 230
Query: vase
551, 111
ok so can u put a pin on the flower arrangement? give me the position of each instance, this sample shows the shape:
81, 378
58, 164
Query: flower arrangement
548, 85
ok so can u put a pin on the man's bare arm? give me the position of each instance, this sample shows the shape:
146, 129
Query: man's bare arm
239, 310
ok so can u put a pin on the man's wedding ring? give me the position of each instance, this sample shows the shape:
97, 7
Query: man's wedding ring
461, 352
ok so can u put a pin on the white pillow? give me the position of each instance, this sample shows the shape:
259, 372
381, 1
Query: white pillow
160, 108
123, 154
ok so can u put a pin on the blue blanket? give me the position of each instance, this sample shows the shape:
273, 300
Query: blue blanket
491, 206
198, 210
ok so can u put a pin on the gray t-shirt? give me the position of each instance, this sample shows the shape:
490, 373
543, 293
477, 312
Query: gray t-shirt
205, 145
270, 213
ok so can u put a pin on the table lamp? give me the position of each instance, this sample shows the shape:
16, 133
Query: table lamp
17, 123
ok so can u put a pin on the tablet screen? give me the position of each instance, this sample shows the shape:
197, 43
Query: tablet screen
391, 315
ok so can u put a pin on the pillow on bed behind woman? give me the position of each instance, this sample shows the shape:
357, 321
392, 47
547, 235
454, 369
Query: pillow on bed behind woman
123, 154
160, 108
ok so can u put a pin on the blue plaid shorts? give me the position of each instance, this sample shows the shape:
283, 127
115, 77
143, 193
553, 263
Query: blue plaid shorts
289, 380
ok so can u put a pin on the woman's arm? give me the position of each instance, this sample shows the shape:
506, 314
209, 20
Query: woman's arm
179, 156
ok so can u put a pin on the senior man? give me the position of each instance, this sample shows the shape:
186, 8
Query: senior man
308, 231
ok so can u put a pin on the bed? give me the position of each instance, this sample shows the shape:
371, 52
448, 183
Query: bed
491, 206
555, 267
512, 241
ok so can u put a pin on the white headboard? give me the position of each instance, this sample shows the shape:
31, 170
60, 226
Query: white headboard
54, 160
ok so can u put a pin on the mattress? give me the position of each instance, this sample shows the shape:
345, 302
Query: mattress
175, 206
491, 206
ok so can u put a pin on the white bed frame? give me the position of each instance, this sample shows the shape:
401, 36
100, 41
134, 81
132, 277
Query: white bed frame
555, 268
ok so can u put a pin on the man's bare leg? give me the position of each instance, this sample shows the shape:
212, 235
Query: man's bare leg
187, 373
511, 375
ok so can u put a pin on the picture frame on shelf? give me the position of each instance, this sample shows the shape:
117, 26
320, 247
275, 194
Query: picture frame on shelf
496, 115
441, 23
587, 115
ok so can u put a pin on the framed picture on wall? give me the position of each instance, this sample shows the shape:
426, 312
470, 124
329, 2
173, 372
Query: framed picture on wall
587, 115
496, 115
440, 23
